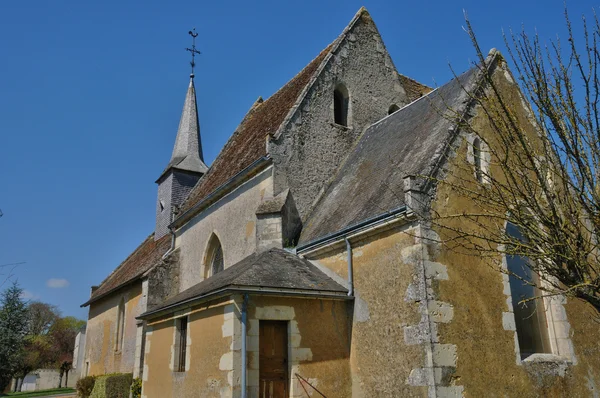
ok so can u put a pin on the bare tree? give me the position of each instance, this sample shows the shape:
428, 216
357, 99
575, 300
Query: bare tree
41, 317
537, 171
7, 271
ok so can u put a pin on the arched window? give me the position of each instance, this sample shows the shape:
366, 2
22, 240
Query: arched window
393, 109
528, 305
216, 265
340, 105
120, 325
214, 262
479, 156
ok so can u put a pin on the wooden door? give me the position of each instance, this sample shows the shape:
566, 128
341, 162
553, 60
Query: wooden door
273, 360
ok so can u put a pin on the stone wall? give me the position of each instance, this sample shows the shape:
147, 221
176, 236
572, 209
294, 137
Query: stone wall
383, 355
310, 149
207, 374
232, 219
318, 348
318, 343
482, 331
163, 279
100, 351
79, 354
44, 379
278, 223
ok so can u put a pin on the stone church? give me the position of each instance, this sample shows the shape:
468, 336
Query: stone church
295, 264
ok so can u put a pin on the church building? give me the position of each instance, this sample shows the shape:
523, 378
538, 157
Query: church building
296, 264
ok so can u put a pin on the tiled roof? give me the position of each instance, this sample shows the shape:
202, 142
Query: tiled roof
274, 268
248, 142
413, 88
406, 143
141, 260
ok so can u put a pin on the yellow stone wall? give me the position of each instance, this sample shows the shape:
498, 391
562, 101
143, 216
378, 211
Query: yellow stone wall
318, 342
380, 361
487, 364
101, 332
206, 346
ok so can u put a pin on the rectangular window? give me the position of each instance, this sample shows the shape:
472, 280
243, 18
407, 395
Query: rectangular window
528, 304
529, 309
182, 325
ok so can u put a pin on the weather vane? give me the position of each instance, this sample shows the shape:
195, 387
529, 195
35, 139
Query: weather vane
193, 49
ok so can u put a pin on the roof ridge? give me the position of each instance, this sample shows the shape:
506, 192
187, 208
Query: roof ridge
490, 63
331, 48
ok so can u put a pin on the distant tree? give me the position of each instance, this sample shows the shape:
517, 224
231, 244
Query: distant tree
13, 327
63, 333
41, 316
36, 355
49, 341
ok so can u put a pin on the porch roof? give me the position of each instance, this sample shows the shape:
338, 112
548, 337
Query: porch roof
274, 271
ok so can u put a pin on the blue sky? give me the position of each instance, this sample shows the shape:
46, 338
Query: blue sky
91, 94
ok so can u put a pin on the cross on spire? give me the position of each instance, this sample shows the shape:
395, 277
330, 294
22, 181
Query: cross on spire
193, 50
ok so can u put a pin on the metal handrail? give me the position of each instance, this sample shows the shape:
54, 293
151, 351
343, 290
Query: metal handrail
302, 379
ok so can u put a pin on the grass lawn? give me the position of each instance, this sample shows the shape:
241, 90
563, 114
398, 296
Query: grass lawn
41, 393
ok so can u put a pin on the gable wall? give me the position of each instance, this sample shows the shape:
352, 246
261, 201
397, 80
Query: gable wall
311, 147
101, 332
232, 219
481, 329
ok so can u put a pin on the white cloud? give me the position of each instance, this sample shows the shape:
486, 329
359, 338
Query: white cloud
56, 283
27, 295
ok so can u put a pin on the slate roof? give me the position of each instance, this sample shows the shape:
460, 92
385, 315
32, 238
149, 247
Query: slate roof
147, 254
274, 268
370, 181
187, 151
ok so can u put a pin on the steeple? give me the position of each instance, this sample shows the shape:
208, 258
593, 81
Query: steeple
186, 166
187, 152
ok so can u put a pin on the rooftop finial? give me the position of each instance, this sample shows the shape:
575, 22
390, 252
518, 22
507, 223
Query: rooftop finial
193, 49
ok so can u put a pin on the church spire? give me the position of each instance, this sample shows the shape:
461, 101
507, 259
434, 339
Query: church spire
186, 166
187, 152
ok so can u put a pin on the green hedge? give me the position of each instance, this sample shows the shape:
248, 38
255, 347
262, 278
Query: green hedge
115, 385
84, 386
136, 388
